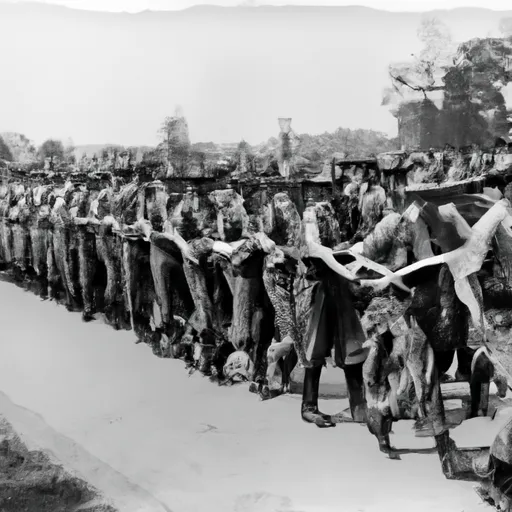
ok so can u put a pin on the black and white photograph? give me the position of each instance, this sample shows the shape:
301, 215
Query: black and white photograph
255, 256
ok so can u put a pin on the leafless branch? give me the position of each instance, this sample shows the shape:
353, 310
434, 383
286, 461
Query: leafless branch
418, 88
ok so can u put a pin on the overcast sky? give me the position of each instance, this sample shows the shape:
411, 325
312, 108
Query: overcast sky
111, 78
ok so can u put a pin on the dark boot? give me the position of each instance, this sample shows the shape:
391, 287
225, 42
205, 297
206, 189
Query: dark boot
355, 388
483, 372
446, 450
309, 410
443, 361
256, 387
464, 358
289, 363
268, 394
87, 315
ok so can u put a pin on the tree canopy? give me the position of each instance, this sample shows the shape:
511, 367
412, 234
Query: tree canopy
20, 147
354, 143
52, 149
5, 152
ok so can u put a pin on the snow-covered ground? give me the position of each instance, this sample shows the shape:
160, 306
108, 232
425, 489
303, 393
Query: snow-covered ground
190, 444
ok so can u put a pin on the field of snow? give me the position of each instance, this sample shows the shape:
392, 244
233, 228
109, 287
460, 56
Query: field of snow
190, 445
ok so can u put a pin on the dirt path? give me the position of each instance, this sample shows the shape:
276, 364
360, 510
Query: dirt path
190, 445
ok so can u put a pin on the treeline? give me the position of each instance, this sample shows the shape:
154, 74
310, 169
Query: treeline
353, 143
19, 149
176, 156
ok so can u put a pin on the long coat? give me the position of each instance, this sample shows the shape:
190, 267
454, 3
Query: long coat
313, 307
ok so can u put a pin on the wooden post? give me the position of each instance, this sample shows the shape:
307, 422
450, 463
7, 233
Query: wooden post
333, 176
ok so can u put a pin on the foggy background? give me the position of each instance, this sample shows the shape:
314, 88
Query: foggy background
111, 77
